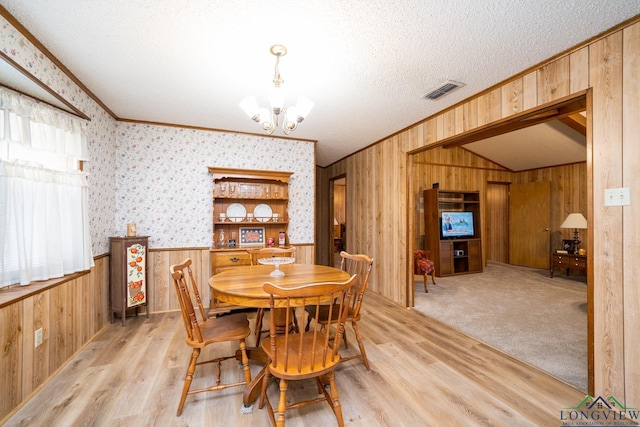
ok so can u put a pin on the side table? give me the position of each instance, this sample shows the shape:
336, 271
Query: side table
568, 261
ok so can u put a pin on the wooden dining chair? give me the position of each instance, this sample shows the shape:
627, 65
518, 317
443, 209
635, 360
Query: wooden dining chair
204, 332
305, 354
361, 265
255, 254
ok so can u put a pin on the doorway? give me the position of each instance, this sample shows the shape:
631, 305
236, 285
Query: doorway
338, 214
518, 223
497, 222
529, 225
472, 174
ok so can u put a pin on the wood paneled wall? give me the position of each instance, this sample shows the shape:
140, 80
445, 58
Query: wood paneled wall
568, 194
629, 232
452, 169
161, 291
70, 315
468, 172
381, 194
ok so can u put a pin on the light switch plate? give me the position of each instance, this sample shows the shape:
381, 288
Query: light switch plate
617, 196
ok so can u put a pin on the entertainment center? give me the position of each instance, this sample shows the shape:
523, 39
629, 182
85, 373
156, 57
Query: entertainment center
452, 231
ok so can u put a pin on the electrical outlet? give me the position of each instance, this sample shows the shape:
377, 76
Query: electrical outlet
38, 337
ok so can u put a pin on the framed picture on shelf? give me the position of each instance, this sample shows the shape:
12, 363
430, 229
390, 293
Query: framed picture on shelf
252, 236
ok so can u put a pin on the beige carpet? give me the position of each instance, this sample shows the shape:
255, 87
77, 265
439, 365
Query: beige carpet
519, 310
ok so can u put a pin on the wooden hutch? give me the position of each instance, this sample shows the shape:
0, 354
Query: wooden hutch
250, 209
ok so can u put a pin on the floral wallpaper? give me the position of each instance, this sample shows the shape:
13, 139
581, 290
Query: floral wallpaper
164, 185
160, 172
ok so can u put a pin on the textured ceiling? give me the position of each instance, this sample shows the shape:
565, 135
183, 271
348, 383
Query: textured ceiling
539, 146
365, 64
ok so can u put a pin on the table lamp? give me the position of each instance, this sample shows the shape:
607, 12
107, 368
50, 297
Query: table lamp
575, 221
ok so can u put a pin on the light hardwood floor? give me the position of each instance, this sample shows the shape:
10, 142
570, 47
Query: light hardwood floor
423, 374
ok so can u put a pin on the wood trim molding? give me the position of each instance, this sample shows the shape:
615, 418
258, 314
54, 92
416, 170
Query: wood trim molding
44, 87
15, 293
144, 122
553, 110
21, 28
222, 173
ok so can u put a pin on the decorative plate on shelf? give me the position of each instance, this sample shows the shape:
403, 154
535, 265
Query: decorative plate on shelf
262, 213
236, 212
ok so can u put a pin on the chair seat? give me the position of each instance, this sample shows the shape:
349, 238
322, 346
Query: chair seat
424, 266
225, 328
306, 369
203, 331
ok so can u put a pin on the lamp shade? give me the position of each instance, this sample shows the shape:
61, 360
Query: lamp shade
575, 220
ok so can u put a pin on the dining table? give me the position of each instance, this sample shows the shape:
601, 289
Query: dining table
243, 286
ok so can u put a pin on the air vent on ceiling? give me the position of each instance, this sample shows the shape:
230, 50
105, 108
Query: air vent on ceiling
445, 88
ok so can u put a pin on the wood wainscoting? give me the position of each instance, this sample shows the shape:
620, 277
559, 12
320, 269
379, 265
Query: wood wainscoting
161, 293
70, 314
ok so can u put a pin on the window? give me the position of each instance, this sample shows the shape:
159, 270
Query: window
44, 221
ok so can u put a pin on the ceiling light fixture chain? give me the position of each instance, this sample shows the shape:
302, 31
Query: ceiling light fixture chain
269, 118
277, 79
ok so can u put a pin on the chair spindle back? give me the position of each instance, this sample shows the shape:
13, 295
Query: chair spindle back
180, 273
306, 352
361, 265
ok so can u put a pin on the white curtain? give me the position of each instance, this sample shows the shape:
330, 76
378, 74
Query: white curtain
30, 124
44, 219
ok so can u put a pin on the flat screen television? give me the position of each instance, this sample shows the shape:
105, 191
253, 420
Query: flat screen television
457, 225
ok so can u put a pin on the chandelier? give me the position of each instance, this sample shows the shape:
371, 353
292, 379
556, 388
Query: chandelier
269, 118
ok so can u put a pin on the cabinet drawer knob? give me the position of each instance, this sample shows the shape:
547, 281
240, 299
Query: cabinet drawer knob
234, 259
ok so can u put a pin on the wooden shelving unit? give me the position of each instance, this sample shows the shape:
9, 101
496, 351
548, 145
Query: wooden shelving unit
459, 255
250, 189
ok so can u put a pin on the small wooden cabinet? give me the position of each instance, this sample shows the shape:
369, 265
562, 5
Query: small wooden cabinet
221, 260
250, 207
568, 262
458, 255
128, 275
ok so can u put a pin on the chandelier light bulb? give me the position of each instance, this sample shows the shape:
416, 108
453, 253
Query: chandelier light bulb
265, 120
304, 106
276, 99
250, 106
